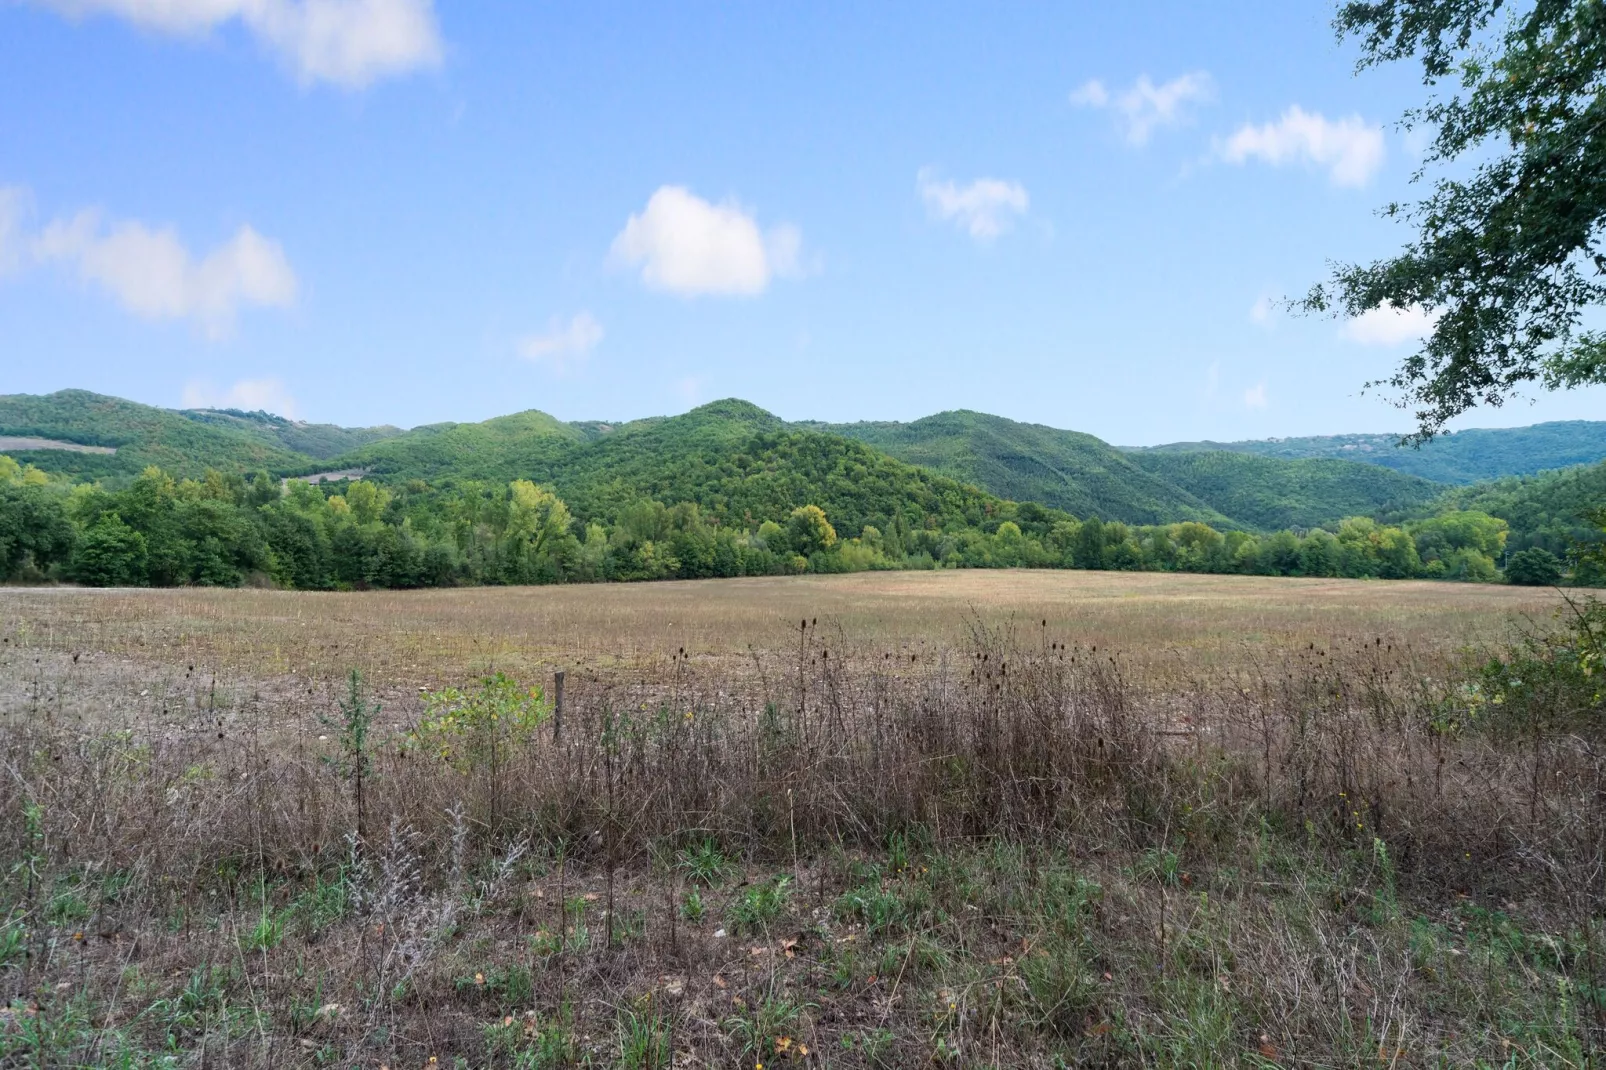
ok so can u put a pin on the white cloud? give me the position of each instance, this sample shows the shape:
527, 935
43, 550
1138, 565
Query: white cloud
564, 347
1145, 107
1263, 312
985, 208
268, 395
689, 390
1350, 149
1091, 94
1255, 397
1388, 325
688, 246
152, 274
348, 42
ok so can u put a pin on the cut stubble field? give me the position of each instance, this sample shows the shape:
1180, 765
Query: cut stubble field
1157, 622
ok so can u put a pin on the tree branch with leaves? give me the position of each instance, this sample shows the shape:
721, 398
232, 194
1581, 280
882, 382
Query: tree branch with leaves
1508, 259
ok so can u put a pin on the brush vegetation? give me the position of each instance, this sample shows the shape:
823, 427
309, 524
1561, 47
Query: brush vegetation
1006, 844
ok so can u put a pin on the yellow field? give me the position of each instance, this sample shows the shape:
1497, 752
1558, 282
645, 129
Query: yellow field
423, 637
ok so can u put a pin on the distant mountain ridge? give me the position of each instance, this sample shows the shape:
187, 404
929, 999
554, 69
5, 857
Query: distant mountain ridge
1030, 462
315, 440
1271, 493
1460, 458
731, 456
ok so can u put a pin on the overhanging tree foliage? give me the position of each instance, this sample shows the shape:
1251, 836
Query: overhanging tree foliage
1508, 258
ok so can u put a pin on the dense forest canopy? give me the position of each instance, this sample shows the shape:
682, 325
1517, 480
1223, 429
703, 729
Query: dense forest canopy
1066, 470
1271, 492
1028, 462
228, 530
1467, 456
725, 490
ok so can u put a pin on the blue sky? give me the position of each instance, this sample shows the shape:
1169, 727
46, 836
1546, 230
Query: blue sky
367, 211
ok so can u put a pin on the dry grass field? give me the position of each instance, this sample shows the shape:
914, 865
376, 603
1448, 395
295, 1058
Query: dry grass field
428, 638
881, 820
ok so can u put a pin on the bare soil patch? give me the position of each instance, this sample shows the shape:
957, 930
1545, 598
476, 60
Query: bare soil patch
25, 442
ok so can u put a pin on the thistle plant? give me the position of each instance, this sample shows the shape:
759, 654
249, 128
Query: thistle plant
353, 760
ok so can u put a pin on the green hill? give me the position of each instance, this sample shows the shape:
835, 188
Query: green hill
314, 440
1270, 493
1543, 510
500, 449
731, 458
737, 461
141, 435
1066, 470
1462, 457
734, 459
720, 490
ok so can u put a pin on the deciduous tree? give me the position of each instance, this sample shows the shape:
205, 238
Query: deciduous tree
1507, 261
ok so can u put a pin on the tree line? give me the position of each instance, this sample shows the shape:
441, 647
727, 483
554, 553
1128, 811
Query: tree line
228, 530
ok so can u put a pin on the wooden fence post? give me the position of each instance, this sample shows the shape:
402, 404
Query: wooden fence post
557, 706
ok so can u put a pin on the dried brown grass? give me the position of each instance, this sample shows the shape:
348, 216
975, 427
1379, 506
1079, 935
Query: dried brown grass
424, 638
1272, 816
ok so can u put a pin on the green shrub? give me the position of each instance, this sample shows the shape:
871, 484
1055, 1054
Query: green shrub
1534, 567
1553, 680
473, 729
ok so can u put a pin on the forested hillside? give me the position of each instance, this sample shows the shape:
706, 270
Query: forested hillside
1268, 493
1029, 462
314, 440
141, 434
742, 518
1544, 510
1462, 457
519, 446
722, 490
737, 465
